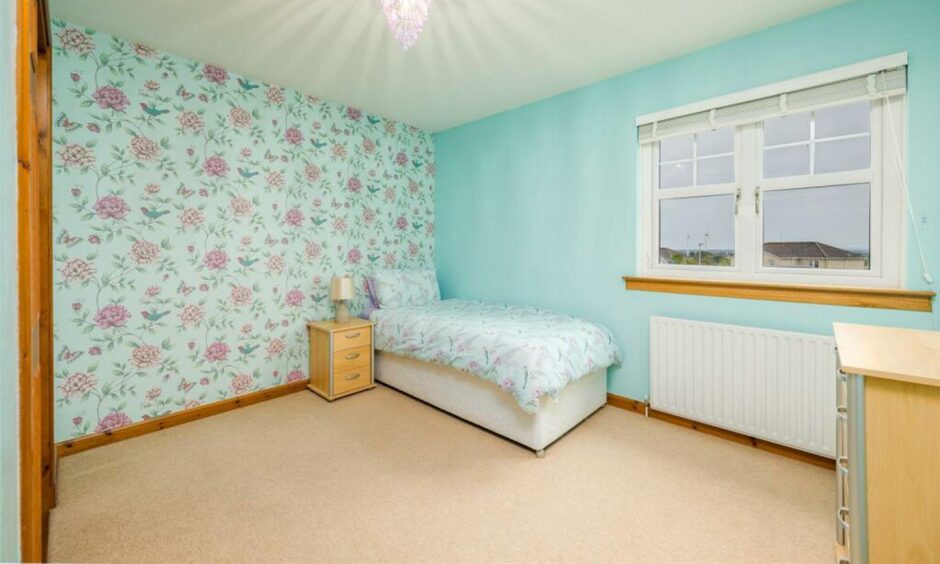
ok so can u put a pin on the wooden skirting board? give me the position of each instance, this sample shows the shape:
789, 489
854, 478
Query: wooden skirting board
66, 448
640, 407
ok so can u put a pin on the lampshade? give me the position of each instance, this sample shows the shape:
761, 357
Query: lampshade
342, 288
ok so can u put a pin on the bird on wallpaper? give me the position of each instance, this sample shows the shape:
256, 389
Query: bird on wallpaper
153, 316
417, 164
153, 110
247, 349
317, 144
247, 262
318, 221
247, 173
154, 214
246, 85
373, 120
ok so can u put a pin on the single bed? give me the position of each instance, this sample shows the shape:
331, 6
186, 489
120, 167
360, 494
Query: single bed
525, 373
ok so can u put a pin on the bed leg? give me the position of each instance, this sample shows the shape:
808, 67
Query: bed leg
540, 453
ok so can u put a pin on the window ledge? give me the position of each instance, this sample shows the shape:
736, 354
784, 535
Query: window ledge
882, 298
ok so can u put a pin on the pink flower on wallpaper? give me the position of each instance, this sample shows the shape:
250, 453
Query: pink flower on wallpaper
152, 394
274, 95
294, 217
293, 136
430, 169
274, 179
192, 315
76, 156
191, 121
94, 351
401, 158
354, 185
390, 127
111, 207
240, 384
112, 421
240, 117
390, 195
401, 223
241, 295
217, 351
413, 249
368, 145
429, 228
312, 250
152, 188
144, 149
215, 166
114, 315
215, 74
146, 356
153, 291
191, 218
216, 259
276, 264
77, 384
77, 270
354, 114
295, 376
144, 51
413, 187
368, 216
353, 256
390, 260
110, 97
75, 41
191, 404
145, 252
152, 85
340, 225
339, 150
312, 172
295, 298
276, 347
241, 207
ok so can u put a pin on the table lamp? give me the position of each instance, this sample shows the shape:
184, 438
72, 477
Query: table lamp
340, 291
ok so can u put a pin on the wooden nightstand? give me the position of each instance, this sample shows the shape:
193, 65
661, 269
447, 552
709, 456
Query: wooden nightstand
341, 357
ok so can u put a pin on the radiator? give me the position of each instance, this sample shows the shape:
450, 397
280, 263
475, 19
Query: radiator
773, 385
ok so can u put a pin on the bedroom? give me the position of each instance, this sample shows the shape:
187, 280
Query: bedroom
526, 281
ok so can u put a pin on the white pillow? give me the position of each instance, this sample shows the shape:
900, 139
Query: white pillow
400, 288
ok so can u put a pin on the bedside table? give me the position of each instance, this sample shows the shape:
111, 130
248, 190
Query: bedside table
341, 357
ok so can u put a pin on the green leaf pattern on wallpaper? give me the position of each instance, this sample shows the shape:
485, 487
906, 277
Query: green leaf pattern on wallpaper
199, 218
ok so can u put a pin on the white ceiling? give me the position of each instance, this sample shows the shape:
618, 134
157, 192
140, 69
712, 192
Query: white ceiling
474, 59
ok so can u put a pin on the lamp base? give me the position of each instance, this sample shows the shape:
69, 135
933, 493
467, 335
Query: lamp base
342, 311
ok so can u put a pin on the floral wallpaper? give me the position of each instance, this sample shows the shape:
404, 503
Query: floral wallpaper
199, 218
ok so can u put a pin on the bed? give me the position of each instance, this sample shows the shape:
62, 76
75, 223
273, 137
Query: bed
525, 373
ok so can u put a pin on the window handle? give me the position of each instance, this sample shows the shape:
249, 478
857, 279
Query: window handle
737, 201
757, 200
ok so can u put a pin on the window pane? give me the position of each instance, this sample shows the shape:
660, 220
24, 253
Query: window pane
786, 161
843, 120
715, 170
676, 175
786, 129
818, 227
676, 148
697, 231
843, 154
715, 142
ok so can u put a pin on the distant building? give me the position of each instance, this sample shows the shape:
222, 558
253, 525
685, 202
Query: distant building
812, 254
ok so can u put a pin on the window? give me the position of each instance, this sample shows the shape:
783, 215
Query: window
766, 190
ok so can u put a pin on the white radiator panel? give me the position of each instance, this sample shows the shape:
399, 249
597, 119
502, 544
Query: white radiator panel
773, 385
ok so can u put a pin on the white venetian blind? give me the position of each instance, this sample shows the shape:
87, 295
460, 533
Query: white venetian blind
880, 84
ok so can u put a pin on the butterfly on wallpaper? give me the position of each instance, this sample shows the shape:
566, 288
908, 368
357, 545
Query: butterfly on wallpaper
65, 123
184, 191
181, 92
184, 289
65, 239
271, 325
185, 386
68, 355
269, 156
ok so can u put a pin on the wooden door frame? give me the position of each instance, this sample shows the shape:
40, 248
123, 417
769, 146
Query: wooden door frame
34, 276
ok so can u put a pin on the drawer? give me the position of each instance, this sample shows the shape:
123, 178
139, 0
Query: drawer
352, 358
352, 379
352, 338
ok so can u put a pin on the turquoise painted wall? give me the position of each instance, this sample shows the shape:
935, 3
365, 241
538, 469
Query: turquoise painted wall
538, 205
9, 467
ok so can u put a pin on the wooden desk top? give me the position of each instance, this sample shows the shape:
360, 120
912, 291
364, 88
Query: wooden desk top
906, 355
330, 326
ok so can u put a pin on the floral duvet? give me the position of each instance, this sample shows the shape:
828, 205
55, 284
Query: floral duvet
527, 351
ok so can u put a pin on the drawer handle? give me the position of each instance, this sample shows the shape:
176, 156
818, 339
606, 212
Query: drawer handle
842, 463
842, 412
352, 335
843, 520
352, 356
352, 376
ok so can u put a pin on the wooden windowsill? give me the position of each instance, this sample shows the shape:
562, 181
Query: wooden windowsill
882, 298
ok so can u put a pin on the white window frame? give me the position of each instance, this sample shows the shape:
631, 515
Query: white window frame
888, 248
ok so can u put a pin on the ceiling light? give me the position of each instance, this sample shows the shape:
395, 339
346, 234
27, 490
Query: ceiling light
406, 19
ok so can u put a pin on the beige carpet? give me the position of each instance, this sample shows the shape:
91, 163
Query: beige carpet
380, 476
